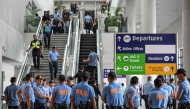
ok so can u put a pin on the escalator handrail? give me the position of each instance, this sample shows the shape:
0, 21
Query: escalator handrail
21, 72
75, 62
66, 52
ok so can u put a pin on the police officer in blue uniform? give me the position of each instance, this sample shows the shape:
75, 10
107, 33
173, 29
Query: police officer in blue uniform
158, 99
11, 98
26, 93
40, 95
172, 84
47, 89
146, 90
167, 88
183, 93
61, 95
88, 22
82, 94
112, 93
131, 94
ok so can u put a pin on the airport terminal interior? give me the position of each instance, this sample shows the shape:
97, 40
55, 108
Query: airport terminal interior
127, 51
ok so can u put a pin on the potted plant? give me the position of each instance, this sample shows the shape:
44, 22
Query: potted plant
32, 20
114, 22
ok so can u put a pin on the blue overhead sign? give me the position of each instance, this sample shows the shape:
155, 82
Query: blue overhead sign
145, 53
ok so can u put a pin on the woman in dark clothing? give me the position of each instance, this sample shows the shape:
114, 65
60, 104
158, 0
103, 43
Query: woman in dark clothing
95, 25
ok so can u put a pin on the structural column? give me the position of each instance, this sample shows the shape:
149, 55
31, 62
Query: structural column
186, 34
148, 16
130, 13
148, 22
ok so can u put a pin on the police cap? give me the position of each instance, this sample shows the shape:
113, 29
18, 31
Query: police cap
39, 77
29, 75
180, 71
112, 74
70, 78
158, 81
62, 77
85, 75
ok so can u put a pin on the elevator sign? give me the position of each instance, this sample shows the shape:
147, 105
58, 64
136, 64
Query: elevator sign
145, 54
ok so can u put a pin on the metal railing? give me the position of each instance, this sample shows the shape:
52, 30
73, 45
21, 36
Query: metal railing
67, 50
100, 65
23, 67
76, 51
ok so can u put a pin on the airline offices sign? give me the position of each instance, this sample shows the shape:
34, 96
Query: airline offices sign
145, 54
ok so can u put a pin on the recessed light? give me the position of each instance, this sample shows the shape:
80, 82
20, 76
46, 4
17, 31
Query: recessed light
137, 26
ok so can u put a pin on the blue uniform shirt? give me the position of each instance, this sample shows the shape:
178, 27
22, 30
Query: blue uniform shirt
93, 59
147, 88
26, 88
113, 94
39, 89
62, 93
131, 92
34, 82
10, 91
47, 89
82, 92
158, 98
53, 55
173, 87
168, 88
123, 89
184, 88
88, 19
56, 15
47, 27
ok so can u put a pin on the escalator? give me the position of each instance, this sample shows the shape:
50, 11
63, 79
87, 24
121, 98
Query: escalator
88, 41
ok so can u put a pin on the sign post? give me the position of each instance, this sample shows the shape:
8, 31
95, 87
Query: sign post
145, 54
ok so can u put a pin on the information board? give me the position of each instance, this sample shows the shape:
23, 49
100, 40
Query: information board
145, 54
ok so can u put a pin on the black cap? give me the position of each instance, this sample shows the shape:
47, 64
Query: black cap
29, 75
39, 77
51, 82
111, 74
70, 78
158, 81
62, 77
180, 71
85, 74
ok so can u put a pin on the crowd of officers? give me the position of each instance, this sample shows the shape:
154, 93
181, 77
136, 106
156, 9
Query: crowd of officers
157, 95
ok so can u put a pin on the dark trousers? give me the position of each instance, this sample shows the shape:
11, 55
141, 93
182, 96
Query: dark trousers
88, 27
62, 108
32, 107
55, 22
36, 53
174, 103
13, 107
40, 107
47, 35
94, 30
92, 70
55, 66
146, 101
74, 10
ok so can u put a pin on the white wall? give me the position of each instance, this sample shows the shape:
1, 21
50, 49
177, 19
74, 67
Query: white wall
44, 5
9, 72
12, 27
175, 27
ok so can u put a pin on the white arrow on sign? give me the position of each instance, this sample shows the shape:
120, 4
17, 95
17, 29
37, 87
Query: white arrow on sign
119, 38
119, 58
118, 68
172, 58
119, 48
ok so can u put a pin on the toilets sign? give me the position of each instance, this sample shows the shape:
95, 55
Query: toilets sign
145, 54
